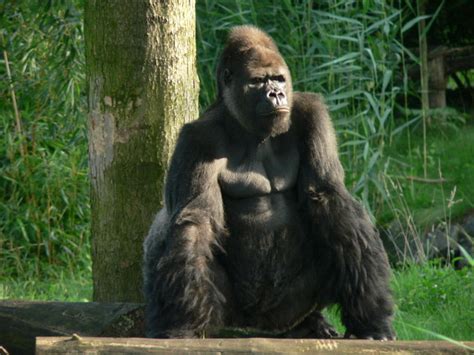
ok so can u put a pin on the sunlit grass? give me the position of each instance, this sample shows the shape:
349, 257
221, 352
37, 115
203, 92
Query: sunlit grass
434, 298
431, 302
56, 284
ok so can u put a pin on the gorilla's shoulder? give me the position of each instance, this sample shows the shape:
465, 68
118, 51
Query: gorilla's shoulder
308, 103
309, 111
203, 135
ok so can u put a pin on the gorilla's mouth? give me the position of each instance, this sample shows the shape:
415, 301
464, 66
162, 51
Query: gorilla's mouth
276, 111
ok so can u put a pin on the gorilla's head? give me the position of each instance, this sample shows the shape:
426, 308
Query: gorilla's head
254, 82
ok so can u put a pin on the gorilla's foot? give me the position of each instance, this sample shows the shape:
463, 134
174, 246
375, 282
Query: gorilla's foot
314, 326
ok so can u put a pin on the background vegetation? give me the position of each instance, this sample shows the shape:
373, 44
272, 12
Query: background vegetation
353, 52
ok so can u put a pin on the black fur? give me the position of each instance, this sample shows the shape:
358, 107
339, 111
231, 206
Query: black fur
258, 229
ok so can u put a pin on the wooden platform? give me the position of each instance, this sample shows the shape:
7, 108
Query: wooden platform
115, 328
90, 345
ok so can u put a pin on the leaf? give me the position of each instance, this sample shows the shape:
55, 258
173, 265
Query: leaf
339, 18
373, 160
344, 95
353, 143
372, 103
386, 80
344, 58
382, 22
405, 125
344, 38
413, 22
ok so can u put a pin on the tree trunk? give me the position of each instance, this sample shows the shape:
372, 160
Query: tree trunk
143, 86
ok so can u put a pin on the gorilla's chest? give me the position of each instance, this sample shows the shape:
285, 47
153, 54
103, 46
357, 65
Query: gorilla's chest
271, 167
267, 239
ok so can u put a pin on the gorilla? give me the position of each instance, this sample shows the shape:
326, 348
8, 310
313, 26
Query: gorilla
257, 229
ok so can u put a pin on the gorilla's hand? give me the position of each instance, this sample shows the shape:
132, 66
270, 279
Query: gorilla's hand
381, 331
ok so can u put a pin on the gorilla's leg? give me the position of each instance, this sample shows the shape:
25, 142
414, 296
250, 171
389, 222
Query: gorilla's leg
353, 268
187, 290
366, 301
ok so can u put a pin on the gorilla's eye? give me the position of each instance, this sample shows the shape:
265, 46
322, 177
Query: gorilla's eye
280, 78
257, 80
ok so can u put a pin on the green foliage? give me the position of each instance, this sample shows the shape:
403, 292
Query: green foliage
44, 208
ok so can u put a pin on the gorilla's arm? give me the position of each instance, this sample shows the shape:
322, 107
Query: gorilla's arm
350, 253
182, 277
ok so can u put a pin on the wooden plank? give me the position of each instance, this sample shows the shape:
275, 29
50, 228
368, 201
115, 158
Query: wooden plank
76, 344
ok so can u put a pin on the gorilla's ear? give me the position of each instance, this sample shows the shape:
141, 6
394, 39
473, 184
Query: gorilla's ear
226, 76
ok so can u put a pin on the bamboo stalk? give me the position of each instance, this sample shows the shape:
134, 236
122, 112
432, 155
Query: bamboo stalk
425, 103
18, 126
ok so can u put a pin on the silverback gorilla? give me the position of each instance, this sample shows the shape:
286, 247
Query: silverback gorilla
257, 229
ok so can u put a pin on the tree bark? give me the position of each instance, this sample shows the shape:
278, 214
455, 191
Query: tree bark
142, 80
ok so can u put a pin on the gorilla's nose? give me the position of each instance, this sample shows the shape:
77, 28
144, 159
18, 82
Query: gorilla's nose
277, 98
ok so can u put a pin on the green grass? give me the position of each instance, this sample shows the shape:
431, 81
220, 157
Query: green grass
58, 284
437, 299
432, 302
451, 158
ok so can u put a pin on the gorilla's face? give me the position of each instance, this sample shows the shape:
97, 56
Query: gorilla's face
258, 92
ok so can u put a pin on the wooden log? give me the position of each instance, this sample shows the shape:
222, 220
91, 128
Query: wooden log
457, 58
22, 321
64, 345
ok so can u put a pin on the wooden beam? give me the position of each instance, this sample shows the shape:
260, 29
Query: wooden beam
456, 59
75, 344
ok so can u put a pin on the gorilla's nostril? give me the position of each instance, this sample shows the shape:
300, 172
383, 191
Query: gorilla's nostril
278, 95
